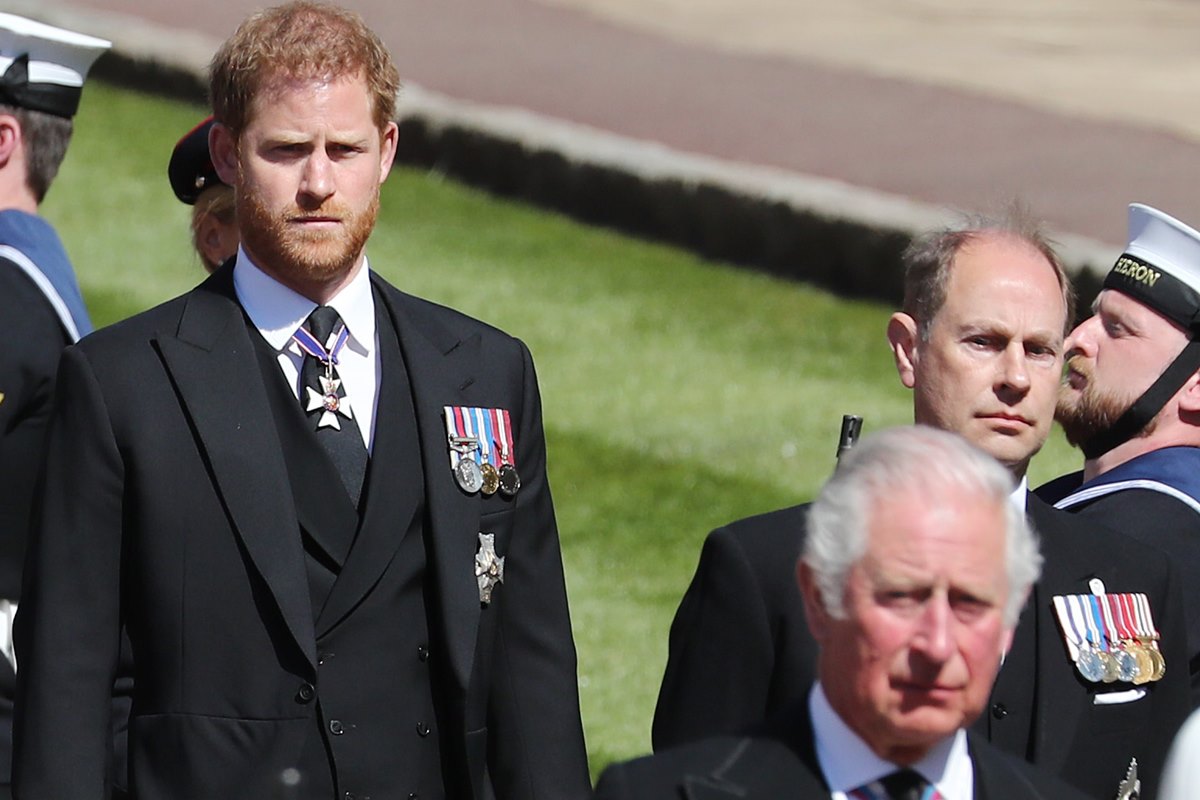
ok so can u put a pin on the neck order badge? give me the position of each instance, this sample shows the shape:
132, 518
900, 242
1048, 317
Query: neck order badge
336, 428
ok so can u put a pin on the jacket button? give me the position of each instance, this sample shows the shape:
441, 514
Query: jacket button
999, 710
423, 653
422, 729
336, 728
306, 693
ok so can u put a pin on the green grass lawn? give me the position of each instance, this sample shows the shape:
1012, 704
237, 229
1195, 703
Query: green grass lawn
679, 394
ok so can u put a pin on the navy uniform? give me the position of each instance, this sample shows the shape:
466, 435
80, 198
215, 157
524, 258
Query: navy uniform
1153, 496
42, 69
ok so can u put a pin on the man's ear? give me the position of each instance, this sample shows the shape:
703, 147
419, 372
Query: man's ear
222, 149
388, 141
814, 606
902, 336
1189, 395
210, 242
10, 137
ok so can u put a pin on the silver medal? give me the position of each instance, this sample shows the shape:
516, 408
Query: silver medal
468, 475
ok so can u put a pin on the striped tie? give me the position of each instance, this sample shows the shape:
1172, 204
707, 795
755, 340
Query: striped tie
904, 784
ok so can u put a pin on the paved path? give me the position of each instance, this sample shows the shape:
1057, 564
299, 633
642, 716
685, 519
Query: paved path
1076, 106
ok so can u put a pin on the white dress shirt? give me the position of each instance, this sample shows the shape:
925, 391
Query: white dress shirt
278, 312
849, 763
1020, 494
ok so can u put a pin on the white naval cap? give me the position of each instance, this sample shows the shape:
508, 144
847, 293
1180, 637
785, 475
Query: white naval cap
1160, 266
42, 67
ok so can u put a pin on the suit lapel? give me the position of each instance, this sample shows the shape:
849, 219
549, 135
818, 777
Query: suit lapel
782, 762
212, 362
440, 370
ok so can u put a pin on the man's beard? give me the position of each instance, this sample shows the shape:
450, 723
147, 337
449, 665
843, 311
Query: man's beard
1090, 411
293, 252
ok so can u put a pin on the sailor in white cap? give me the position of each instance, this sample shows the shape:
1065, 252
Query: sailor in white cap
42, 69
1131, 402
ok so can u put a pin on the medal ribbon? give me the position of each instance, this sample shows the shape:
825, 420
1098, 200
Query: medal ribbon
1129, 603
1145, 619
509, 444
1111, 631
501, 440
459, 434
1098, 620
1116, 611
467, 415
1079, 606
1070, 630
452, 432
484, 421
309, 344
1079, 619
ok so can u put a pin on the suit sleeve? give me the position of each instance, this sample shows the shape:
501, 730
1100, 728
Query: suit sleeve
721, 651
535, 739
67, 659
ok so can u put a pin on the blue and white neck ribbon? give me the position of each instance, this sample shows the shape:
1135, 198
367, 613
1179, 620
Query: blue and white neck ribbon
309, 344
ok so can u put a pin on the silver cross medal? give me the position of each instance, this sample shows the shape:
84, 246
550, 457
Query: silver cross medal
328, 399
489, 567
1131, 787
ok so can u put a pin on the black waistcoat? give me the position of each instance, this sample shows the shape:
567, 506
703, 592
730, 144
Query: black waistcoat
374, 730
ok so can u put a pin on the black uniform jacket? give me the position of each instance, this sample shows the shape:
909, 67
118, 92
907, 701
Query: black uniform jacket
740, 648
28, 360
781, 762
1159, 520
167, 512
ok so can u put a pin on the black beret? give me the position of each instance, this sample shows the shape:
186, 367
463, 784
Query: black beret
191, 170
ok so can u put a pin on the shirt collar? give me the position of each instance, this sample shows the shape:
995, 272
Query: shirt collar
278, 311
849, 763
1020, 493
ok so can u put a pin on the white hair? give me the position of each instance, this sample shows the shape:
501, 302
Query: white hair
906, 461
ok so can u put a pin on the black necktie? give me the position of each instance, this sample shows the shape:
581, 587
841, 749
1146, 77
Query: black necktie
905, 784
323, 398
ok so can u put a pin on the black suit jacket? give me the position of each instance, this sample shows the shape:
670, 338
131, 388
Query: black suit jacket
167, 512
740, 647
780, 761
